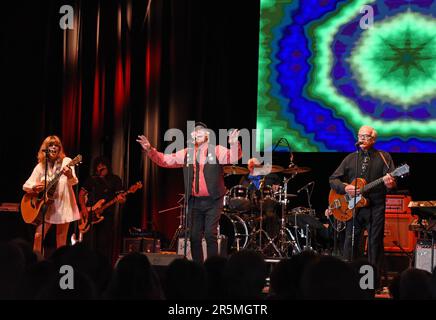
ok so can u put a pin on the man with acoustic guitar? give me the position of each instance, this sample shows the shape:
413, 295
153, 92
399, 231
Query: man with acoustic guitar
61, 202
372, 165
100, 188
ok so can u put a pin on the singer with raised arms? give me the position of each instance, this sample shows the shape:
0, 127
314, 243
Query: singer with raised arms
204, 182
371, 164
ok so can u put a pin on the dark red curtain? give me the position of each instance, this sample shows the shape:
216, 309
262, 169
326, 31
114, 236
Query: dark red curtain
126, 68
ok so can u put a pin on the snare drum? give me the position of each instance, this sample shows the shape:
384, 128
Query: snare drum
238, 199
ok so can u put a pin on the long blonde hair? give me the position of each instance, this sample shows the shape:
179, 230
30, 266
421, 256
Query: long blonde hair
50, 140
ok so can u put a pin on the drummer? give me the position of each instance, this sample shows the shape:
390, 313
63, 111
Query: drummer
256, 177
259, 182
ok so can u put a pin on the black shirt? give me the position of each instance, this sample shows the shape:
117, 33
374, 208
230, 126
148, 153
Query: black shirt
375, 168
102, 188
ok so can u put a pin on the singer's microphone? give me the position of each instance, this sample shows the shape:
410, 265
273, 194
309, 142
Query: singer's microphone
51, 149
306, 186
358, 143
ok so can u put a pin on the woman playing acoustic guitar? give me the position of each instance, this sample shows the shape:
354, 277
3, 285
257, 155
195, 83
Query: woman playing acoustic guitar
61, 207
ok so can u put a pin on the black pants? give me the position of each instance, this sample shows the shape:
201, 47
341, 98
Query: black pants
372, 218
204, 213
100, 237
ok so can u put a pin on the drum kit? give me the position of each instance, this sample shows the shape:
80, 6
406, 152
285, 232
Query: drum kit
261, 218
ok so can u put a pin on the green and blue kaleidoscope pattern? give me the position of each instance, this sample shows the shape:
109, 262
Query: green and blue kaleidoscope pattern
326, 68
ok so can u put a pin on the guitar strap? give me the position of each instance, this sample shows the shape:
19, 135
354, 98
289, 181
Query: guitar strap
384, 160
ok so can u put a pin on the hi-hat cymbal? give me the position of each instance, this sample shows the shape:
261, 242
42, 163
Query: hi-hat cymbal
295, 170
235, 170
263, 170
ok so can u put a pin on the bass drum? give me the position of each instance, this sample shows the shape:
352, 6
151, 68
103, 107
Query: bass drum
236, 231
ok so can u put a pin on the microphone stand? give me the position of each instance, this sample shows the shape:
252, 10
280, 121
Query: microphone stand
187, 197
45, 200
308, 242
77, 235
354, 207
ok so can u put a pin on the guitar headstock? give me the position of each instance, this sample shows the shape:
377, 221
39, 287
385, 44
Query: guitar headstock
77, 160
401, 171
133, 188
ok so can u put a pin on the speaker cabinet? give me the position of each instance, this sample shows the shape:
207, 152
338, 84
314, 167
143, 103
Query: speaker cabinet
398, 238
141, 244
13, 226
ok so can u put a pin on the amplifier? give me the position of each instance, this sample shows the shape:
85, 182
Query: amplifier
398, 236
141, 244
222, 247
423, 255
398, 204
12, 224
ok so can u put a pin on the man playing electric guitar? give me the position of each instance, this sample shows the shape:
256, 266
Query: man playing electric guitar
102, 185
372, 164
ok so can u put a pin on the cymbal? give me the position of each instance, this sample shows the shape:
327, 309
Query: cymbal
235, 170
295, 170
262, 170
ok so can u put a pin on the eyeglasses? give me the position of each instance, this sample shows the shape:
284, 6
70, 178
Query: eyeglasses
364, 136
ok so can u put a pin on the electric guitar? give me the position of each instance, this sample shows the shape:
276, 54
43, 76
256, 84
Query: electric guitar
32, 204
95, 212
342, 205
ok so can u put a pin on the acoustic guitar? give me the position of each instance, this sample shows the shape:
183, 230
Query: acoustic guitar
95, 213
33, 204
342, 205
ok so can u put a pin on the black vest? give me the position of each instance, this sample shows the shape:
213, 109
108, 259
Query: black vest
213, 175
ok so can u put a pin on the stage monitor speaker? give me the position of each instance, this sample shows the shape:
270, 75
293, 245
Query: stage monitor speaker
423, 255
162, 259
157, 259
398, 238
222, 247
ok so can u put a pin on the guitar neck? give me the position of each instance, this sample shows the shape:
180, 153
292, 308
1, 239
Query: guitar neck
108, 204
372, 184
113, 201
54, 181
